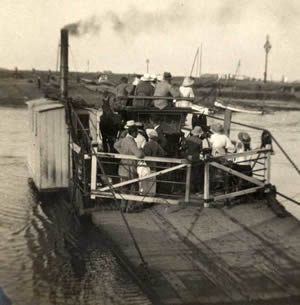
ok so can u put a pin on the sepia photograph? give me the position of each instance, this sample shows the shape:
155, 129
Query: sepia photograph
149, 152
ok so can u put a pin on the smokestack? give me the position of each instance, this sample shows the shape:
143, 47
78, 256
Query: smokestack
64, 45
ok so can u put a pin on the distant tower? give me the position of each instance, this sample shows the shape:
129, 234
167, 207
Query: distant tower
147, 63
267, 47
238, 68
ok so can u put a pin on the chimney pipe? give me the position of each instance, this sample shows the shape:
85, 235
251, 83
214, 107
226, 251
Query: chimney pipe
64, 45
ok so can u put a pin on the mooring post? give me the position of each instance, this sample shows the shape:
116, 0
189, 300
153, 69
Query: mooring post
188, 183
227, 121
206, 185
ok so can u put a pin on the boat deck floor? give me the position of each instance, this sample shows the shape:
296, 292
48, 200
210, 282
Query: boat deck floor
195, 255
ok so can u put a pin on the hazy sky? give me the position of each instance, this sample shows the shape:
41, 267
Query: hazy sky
124, 33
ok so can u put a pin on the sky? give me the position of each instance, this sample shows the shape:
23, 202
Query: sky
121, 35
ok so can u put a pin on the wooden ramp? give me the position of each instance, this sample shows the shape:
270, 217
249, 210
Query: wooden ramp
243, 255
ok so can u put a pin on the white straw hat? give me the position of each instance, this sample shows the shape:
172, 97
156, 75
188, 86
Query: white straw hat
129, 124
188, 81
147, 77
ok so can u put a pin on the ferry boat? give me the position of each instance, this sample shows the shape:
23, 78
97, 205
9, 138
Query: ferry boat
179, 250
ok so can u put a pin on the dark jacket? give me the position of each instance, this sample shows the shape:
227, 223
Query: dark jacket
143, 89
153, 149
193, 146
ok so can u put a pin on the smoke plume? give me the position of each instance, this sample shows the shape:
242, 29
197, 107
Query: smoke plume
132, 22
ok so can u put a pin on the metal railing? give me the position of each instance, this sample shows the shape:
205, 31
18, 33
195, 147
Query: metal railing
174, 174
223, 168
227, 170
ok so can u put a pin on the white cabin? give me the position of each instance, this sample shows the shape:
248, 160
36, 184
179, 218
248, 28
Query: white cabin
48, 159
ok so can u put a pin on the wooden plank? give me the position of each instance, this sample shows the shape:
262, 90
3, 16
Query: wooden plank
236, 194
135, 197
43, 139
57, 149
188, 183
236, 173
227, 121
206, 182
130, 157
66, 164
51, 147
242, 154
94, 173
164, 171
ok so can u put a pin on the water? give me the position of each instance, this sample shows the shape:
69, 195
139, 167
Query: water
46, 259
285, 127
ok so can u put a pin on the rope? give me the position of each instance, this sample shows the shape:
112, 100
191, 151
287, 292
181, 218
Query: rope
286, 155
196, 56
111, 189
288, 198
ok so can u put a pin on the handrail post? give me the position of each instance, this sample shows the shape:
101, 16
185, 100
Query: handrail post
93, 174
268, 165
188, 183
206, 185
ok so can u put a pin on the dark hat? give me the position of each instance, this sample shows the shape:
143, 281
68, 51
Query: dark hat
167, 75
244, 137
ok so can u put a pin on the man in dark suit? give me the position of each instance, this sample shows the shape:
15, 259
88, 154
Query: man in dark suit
161, 138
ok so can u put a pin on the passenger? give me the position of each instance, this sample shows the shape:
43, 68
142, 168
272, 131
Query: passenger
121, 101
243, 163
156, 125
220, 143
193, 147
124, 132
155, 81
141, 129
122, 91
128, 168
141, 137
151, 149
165, 89
132, 88
186, 90
144, 88
110, 124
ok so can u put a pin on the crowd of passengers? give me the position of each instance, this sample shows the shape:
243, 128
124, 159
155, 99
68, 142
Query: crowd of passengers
150, 85
152, 140
134, 139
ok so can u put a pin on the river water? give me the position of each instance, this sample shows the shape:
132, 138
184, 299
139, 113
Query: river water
44, 257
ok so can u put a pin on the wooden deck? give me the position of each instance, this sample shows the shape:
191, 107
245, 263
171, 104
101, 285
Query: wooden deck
195, 255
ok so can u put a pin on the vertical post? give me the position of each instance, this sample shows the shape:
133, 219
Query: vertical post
206, 185
200, 64
268, 161
267, 47
188, 183
227, 121
93, 174
64, 45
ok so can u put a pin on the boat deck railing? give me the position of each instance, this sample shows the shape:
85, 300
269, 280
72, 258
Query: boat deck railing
173, 176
